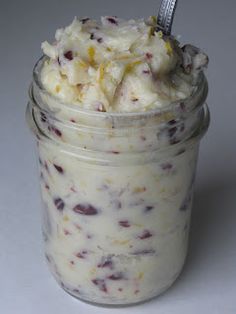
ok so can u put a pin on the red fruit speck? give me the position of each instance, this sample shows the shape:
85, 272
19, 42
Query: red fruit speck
100, 283
167, 166
58, 168
149, 55
67, 232
146, 234
85, 210
56, 131
148, 208
144, 252
112, 20
58, 202
82, 254
84, 20
116, 276
124, 223
69, 55
106, 263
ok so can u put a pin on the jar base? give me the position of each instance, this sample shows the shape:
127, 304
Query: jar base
121, 304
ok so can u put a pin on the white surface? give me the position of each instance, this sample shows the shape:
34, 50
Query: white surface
208, 283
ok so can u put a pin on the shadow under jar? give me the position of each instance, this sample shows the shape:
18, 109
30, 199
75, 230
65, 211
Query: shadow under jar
117, 192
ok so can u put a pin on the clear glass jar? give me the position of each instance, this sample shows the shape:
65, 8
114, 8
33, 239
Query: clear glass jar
117, 193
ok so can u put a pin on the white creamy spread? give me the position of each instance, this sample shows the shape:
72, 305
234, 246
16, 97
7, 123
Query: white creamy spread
116, 66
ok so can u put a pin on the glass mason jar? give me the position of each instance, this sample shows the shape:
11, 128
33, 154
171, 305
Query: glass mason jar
117, 192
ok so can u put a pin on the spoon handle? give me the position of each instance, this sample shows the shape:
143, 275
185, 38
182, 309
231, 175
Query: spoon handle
166, 15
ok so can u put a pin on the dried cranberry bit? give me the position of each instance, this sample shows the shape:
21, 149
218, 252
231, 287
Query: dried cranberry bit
107, 263
172, 122
43, 117
100, 283
116, 276
148, 208
124, 223
84, 20
149, 55
88, 210
167, 166
58, 168
185, 203
145, 235
112, 20
46, 166
82, 254
66, 232
172, 131
58, 202
100, 40
72, 120
115, 152
144, 252
146, 72
56, 131
69, 55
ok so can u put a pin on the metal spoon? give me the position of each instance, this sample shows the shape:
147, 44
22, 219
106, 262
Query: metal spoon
166, 15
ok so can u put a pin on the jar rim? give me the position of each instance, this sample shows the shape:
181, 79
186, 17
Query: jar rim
197, 97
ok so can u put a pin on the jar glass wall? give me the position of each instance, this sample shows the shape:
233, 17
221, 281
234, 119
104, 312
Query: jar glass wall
117, 193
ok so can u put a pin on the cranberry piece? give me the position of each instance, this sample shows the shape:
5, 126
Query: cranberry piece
106, 263
124, 223
100, 283
100, 40
148, 208
185, 203
43, 117
58, 168
112, 20
81, 254
56, 131
146, 234
84, 20
115, 152
46, 167
146, 71
172, 131
116, 276
59, 203
167, 166
149, 55
88, 210
171, 122
69, 55
144, 252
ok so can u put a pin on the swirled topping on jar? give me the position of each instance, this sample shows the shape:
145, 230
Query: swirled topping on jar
119, 66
